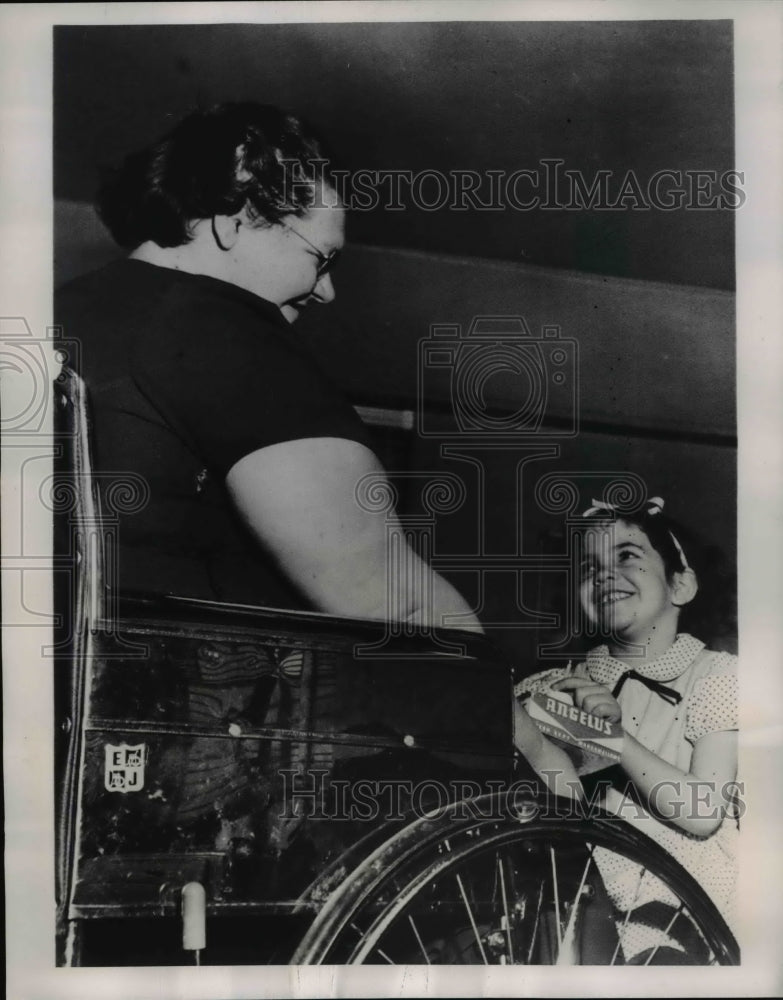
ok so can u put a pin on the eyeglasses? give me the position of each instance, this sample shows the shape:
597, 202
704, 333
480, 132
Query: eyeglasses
325, 261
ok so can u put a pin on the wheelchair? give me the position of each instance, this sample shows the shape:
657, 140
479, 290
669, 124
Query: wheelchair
240, 785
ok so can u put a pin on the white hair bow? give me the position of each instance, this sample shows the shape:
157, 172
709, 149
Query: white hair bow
654, 506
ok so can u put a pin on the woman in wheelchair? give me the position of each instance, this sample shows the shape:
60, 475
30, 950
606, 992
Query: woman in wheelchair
250, 460
676, 702
198, 385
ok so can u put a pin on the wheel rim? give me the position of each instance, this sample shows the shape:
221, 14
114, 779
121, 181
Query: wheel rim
423, 897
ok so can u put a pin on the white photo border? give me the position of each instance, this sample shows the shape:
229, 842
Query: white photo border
25, 283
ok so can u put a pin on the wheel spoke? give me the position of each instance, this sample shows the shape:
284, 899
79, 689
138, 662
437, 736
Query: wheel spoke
668, 927
505, 910
537, 921
385, 957
568, 936
557, 900
472, 921
628, 913
418, 938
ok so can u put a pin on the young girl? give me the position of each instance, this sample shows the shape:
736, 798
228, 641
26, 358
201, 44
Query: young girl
677, 704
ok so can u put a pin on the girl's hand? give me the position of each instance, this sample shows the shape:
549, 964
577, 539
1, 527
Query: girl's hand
591, 697
550, 762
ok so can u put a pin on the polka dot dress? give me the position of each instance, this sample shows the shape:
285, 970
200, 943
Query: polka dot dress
707, 684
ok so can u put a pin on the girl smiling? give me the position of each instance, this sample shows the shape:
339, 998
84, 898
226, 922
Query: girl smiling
676, 702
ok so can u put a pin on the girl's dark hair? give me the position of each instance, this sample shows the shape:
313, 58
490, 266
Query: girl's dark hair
214, 162
712, 615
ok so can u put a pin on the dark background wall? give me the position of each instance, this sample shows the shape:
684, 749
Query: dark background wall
644, 296
642, 96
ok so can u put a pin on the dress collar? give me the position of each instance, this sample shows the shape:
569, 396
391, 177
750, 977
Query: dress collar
605, 669
268, 309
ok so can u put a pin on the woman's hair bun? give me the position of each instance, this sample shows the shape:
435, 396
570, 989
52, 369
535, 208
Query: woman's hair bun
214, 162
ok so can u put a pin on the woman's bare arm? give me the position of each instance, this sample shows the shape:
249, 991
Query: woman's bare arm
299, 500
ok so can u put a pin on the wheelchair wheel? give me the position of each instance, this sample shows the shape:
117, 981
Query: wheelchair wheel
488, 882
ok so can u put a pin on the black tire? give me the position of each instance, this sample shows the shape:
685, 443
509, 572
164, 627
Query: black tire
498, 882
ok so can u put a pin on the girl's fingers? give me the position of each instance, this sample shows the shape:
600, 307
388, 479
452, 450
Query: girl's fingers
591, 697
568, 683
578, 684
604, 708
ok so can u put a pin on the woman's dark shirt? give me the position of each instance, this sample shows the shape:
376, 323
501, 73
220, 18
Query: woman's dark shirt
186, 375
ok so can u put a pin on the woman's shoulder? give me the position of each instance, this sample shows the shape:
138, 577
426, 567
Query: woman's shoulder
92, 287
208, 302
205, 325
